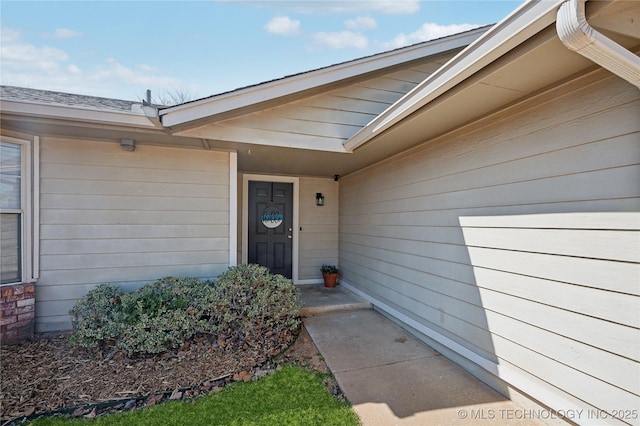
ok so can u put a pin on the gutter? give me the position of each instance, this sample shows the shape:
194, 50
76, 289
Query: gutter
74, 113
577, 35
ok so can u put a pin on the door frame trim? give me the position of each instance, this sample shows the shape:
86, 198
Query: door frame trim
296, 223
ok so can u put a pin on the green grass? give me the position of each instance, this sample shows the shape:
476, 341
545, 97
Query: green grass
290, 396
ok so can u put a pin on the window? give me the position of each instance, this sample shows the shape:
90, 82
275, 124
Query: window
16, 224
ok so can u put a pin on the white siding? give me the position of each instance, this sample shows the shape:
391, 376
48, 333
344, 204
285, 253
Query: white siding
319, 227
126, 218
518, 239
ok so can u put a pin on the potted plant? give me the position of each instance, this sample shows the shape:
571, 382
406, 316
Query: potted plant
330, 275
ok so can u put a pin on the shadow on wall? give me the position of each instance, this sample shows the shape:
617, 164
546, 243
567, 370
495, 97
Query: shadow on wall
544, 302
415, 275
560, 295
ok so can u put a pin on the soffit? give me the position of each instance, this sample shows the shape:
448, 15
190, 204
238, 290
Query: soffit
46, 127
619, 17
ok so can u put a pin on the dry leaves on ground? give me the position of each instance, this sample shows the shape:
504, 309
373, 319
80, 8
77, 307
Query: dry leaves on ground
47, 375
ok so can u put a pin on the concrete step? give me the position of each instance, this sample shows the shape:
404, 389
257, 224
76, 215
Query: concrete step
318, 299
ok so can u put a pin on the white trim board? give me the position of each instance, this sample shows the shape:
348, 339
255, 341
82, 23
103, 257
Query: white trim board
233, 208
80, 114
296, 212
29, 209
35, 261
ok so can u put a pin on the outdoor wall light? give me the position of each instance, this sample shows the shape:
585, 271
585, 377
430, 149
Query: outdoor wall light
128, 144
319, 199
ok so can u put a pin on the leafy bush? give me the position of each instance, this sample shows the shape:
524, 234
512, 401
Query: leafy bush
256, 308
94, 316
247, 306
156, 317
165, 314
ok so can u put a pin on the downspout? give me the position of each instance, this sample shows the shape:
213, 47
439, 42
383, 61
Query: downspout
577, 35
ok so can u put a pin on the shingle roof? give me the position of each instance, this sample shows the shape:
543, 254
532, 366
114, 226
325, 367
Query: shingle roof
68, 99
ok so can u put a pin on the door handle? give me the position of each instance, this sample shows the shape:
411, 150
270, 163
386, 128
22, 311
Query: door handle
289, 236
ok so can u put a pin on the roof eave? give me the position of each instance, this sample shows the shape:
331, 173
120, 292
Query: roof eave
78, 114
525, 22
284, 88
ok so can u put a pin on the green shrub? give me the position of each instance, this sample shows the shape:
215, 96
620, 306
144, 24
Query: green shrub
256, 308
93, 317
152, 319
165, 314
246, 306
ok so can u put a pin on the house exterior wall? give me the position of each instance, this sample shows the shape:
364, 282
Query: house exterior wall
126, 218
513, 243
319, 227
318, 236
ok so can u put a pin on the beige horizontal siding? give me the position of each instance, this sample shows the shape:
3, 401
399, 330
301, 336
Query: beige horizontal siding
598, 244
269, 122
101, 172
518, 238
126, 218
134, 276
319, 227
332, 116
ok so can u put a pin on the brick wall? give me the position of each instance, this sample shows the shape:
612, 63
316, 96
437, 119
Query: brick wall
17, 313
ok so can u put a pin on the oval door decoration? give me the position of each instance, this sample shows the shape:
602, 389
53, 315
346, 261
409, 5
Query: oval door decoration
271, 217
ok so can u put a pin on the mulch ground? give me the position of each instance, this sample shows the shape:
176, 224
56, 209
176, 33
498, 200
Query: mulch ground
48, 375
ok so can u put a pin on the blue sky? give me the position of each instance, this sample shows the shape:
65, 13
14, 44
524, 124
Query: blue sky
119, 49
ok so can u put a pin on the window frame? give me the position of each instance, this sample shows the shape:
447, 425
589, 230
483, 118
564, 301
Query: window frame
29, 208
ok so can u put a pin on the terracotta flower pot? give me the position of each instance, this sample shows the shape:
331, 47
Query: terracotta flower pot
330, 280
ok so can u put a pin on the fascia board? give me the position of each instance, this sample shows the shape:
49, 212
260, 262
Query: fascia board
529, 19
197, 110
60, 112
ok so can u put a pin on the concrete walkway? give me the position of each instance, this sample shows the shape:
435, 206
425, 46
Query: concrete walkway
390, 377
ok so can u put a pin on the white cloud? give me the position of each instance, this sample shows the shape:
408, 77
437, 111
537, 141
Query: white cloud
63, 33
396, 7
74, 69
428, 31
7, 35
361, 23
283, 25
141, 75
389, 7
14, 53
42, 67
341, 40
